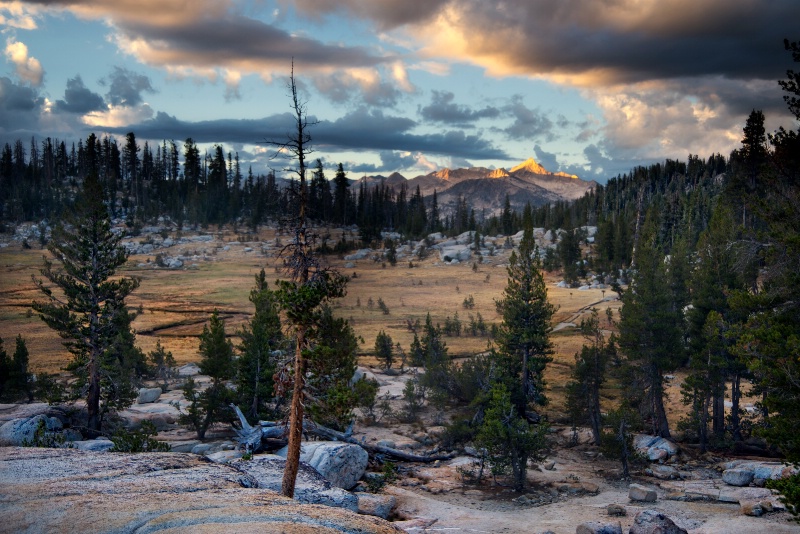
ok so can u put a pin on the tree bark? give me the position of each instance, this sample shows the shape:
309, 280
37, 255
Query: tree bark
295, 419
736, 395
718, 417
659, 412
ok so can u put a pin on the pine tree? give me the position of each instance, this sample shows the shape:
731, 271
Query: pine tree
304, 296
331, 365
341, 196
711, 362
162, 364
509, 440
211, 405
589, 374
384, 349
87, 315
524, 336
261, 337
650, 334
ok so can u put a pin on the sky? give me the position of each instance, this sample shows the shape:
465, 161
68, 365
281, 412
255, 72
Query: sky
587, 87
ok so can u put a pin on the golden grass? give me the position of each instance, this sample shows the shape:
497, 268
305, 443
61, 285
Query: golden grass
175, 304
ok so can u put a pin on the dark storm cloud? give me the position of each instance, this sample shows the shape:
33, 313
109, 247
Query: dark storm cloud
20, 106
125, 87
79, 99
443, 109
359, 130
239, 41
212, 34
388, 15
621, 41
364, 129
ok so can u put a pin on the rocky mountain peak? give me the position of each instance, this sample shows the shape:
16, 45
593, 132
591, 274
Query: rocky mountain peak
444, 174
530, 165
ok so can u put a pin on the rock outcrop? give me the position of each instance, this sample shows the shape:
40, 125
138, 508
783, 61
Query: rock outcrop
58, 490
310, 488
342, 464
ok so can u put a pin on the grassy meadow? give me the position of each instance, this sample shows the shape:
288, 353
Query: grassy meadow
175, 304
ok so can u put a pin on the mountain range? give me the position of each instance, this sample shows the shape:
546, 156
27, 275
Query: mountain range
486, 189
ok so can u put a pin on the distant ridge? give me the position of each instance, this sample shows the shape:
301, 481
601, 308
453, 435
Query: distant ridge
528, 182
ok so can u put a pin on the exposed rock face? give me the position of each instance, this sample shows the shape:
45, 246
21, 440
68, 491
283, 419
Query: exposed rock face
342, 464
761, 471
652, 522
310, 488
21, 430
57, 490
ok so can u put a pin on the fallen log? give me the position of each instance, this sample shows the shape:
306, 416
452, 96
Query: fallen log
250, 437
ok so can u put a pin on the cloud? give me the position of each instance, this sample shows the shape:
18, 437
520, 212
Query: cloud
528, 123
586, 42
118, 116
79, 99
365, 85
547, 160
391, 161
27, 67
215, 40
684, 71
20, 106
125, 87
360, 130
388, 15
17, 15
443, 109
681, 117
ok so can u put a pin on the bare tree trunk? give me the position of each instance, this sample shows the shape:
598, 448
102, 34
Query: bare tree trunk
623, 438
703, 430
295, 419
718, 416
93, 397
659, 412
525, 377
736, 395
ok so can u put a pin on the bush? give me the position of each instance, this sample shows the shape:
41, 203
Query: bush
141, 440
43, 438
383, 307
49, 389
508, 438
457, 433
366, 393
413, 400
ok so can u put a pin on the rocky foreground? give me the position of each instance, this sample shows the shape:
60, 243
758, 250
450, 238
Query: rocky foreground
64, 490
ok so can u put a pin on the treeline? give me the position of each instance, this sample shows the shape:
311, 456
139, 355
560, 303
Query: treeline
714, 292
38, 181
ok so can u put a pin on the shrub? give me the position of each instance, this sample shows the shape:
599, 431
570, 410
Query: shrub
141, 440
366, 393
